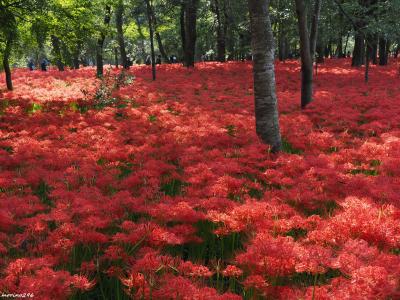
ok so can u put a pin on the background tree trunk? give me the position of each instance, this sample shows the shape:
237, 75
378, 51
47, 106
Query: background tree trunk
314, 27
153, 56
221, 30
190, 31
305, 53
100, 44
55, 41
75, 55
6, 61
358, 52
182, 27
262, 43
383, 52
158, 37
119, 21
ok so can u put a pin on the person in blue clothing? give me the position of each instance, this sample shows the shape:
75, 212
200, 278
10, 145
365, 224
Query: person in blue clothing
31, 65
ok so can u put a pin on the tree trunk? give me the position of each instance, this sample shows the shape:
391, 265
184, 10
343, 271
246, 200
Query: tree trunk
116, 57
368, 52
221, 30
6, 61
190, 31
374, 50
339, 48
358, 52
119, 21
75, 58
158, 37
305, 53
182, 27
346, 43
314, 27
383, 57
153, 57
100, 43
262, 43
55, 41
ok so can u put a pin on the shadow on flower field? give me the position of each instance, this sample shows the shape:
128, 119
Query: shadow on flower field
161, 190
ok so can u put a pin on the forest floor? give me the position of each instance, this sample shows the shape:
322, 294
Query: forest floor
162, 190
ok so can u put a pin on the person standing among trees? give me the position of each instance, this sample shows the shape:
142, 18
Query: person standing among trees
43, 65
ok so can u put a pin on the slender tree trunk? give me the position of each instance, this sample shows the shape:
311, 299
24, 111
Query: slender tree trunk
382, 52
305, 53
153, 57
374, 50
158, 37
55, 41
100, 43
368, 52
116, 57
339, 48
141, 40
6, 61
314, 27
282, 54
262, 43
182, 27
190, 31
119, 21
346, 43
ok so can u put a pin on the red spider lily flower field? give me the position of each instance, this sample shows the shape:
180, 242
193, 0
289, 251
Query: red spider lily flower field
130, 188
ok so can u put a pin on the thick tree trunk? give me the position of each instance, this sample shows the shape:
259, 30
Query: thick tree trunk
119, 22
359, 50
190, 31
221, 30
6, 62
305, 53
314, 27
153, 57
100, 44
262, 43
55, 41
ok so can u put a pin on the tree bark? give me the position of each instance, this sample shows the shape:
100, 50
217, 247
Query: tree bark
359, 50
383, 52
119, 22
305, 53
182, 27
75, 55
6, 62
221, 30
190, 31
153, 57
100, 44
262, 43
314, 27
55, 41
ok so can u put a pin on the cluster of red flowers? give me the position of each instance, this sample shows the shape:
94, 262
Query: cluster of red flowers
167, 193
